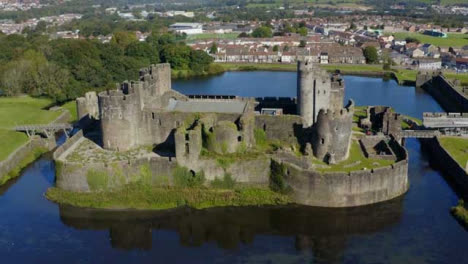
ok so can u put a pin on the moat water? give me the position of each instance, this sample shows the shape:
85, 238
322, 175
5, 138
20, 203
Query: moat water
415, 228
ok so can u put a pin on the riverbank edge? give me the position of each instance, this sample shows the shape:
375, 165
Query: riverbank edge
29, 152
379, 73
158, 198
460, 213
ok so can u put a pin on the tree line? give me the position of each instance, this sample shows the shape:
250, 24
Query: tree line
64, 69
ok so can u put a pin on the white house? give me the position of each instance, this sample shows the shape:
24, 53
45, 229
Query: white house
429, 64
187, 28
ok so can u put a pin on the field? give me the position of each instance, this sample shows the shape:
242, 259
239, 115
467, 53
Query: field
18, 111
351, 4
457, 147
211, 36
453, 39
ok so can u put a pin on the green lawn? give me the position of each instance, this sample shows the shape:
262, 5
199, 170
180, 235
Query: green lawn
258, 67
463, 77
355, 155
18, 111
453, 39
457, 147
345, 68
212, 36
71, 107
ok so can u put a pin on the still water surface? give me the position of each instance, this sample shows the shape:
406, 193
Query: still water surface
415, 228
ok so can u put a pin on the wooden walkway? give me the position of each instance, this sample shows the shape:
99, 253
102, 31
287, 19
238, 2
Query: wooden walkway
46, 130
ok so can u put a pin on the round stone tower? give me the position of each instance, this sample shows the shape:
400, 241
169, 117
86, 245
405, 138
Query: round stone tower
120, 114
313, 91
332, 134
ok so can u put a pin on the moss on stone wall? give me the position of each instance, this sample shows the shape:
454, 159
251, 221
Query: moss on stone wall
97, 180
277, 181
146, 176
227, 182
184, 177
260, 138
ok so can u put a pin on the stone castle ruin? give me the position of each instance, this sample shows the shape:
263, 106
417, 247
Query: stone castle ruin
192, 131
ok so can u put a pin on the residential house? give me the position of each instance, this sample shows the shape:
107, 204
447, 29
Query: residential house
429, 64
323, 57
415, 53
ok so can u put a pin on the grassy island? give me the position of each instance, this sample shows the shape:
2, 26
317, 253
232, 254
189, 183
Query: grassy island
461, 213
137, 196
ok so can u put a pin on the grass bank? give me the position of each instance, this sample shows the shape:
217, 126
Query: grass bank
32, 156
213, 69
457, 147
461, 213
137, 196
402, 76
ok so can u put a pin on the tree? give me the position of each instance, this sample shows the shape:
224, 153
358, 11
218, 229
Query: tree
213, 48
352, 26
243, 35
302, 31
143, 50
275, 48
262, 32
410, 40
41, 27
199, 61
302, 43
123, 39
177, 55
370, 53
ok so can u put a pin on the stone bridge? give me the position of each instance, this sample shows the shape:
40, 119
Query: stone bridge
419, 133
46, 130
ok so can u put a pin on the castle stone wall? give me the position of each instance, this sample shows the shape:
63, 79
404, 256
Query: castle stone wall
286, 128
153, 171
445, 92
346, 189
16, 157
88, 106
441, 159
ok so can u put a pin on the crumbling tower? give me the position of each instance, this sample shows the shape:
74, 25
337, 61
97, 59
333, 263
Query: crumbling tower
320, 104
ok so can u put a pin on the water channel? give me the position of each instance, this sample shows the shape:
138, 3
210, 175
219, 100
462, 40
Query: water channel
415, 228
